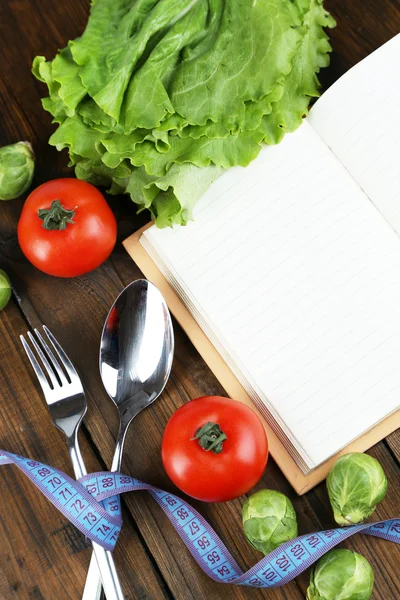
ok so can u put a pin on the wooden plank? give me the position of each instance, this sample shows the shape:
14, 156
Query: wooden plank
75, 310
393, 442
361, 28
41, 549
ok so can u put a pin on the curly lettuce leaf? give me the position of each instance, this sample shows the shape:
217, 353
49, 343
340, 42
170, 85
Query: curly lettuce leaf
302, 82
157, 97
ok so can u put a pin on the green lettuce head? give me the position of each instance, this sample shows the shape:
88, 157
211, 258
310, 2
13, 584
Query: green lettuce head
356, 484
269, 520
157, 99
341, 575
17, 164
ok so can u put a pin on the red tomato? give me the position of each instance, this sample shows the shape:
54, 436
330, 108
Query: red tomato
205, 474
80, 234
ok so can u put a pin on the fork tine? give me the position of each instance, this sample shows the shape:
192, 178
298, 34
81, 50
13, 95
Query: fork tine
45, 363
44, 384
67, 364
54, 362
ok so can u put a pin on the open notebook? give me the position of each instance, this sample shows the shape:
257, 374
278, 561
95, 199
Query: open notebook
292, 267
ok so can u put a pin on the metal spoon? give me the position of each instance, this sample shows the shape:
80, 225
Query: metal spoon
136, 351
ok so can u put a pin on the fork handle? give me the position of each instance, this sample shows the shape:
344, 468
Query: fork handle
93, 588
104, 558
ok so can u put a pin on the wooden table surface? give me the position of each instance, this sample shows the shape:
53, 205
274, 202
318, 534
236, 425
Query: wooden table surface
42, 556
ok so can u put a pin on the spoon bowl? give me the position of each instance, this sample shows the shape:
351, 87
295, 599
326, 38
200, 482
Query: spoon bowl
136, 352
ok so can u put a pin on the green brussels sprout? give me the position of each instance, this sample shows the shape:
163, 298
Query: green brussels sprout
269, 520
17, 164
356, 484
341, 575
5, 289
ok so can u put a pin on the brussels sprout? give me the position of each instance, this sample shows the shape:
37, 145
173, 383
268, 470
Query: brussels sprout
5, 289
17, 164
269, 520
356, 484
341, 575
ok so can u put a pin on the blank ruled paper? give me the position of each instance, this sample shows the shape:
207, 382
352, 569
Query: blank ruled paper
359, 118
295, 277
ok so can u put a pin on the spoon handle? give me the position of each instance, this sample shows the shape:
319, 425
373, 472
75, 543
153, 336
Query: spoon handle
93, 587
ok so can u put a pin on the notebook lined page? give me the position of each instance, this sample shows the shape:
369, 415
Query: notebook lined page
296, 275
359, 118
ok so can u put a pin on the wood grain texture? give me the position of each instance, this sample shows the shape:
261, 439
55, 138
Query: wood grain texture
41, 555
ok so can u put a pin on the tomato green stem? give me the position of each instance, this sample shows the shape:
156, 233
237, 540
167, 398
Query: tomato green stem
210, 437
56, 217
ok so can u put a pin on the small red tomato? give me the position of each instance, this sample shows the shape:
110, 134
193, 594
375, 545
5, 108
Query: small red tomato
214, 449
66, 228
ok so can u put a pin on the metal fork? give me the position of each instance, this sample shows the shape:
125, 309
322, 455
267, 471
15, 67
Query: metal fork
66, 400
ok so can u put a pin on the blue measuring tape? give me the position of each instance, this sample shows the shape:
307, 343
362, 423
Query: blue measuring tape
92, 505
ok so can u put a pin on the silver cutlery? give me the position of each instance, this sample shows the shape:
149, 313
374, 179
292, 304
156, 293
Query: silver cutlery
136, 352
63, 391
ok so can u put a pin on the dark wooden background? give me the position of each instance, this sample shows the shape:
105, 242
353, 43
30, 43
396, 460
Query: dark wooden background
41, 555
